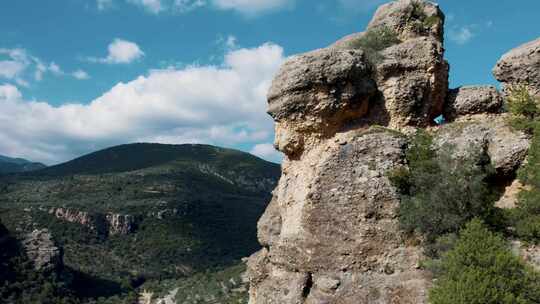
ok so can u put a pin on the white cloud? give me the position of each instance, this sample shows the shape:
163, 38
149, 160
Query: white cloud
10, 68
461, 35
104, 4
252, 7
246, 7
267, 151
153, 6
19, 66
80, 74
15, 64
184, 6
120, 52
222, 105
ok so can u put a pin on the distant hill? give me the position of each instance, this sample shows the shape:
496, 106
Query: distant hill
145, 212
16, 165
138, 156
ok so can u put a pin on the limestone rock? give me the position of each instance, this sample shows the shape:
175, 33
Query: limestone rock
339, 240
410, 19
413, 81
506, 147
42, 251
121, 224
521, 66
316, 92
468, 100
106, 224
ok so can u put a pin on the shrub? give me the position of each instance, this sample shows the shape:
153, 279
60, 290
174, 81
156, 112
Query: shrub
481, 269
525, 116
440, 194
374, 41
523, 107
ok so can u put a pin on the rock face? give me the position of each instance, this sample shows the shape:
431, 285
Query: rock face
331, 232
470, 100
331, 228
108, 224
313, 93
521, 66
42, 251
505, 147
412, 75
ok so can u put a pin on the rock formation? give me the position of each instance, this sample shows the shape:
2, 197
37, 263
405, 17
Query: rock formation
521, 66
330, 233
106, 224
470, 100
42, 251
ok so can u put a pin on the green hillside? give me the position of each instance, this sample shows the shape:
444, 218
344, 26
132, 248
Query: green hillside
16, 165
192, 209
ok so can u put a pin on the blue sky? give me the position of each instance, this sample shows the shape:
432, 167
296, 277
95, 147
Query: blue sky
80, 75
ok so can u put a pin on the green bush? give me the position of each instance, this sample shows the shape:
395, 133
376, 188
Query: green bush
481, 269
439, 193
523, 107
374, 41
525, 116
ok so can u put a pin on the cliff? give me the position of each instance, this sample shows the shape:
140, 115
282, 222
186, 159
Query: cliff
342, 113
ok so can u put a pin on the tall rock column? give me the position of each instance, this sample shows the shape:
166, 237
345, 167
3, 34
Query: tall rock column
330, 233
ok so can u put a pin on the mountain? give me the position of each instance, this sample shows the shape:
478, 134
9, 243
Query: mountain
15, 165
133, 215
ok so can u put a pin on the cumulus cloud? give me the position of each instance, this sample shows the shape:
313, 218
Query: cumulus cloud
223, 105
461, 35
19, 66
81, 75
120, 52
267, 151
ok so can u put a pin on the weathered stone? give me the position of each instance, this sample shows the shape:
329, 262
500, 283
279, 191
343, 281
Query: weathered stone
315, 93
413, 81
106, 224
339, 228
506, 147
470, 100
521, 66
42, 251
269, 225
410, 19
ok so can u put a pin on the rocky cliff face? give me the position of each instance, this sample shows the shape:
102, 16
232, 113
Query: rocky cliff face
521, 66
108, 224
330, 233
42, 251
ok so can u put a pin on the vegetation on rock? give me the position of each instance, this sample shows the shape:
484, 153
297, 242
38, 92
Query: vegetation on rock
374, 41
441, 193
525, 218
481, 269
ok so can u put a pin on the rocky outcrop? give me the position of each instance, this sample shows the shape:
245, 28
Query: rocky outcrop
412, 75
314, 93
331, 228
521, 66
469, 100
41, 249
489, 135
330, 233
106, 224
121, 224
